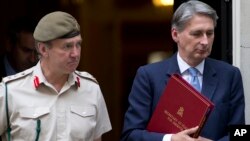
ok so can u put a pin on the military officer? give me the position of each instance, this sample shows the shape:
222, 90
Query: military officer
52, 101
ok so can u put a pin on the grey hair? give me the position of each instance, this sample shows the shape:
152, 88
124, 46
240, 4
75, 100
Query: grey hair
187, 10
47, 44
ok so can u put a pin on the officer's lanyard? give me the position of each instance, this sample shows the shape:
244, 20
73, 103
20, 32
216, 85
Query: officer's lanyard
38, 121
7, 112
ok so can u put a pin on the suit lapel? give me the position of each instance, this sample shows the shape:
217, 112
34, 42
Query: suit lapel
210, 80
172, 67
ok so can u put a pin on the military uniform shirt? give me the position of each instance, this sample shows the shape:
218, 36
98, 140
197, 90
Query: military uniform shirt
77, 113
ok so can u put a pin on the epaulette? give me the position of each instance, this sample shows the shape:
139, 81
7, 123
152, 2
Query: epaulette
17, 76
86, 75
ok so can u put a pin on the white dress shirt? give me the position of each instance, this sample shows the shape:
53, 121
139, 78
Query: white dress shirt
183, 66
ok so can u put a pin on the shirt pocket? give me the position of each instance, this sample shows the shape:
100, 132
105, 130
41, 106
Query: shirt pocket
83, 122
26, 126
87, 111
34, 113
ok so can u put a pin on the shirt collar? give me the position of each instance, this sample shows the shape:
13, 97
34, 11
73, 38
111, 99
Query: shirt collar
39, 77
184, 66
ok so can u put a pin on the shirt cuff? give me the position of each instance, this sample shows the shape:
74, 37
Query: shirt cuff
167, 137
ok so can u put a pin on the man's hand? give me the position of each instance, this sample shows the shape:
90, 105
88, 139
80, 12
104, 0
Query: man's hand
203, 139
185, 135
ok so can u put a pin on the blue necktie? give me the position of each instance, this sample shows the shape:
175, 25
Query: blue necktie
194, 78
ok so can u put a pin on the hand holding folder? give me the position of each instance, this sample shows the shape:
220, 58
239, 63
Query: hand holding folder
180, 107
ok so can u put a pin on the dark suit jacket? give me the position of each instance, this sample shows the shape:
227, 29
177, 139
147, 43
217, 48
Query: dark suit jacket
222, 84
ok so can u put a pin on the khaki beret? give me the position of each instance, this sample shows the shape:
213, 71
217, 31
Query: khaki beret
56, 25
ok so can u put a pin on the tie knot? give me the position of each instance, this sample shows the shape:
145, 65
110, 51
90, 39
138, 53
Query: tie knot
193, 71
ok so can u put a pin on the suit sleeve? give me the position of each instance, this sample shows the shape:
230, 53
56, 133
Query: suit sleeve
139, 110
237, 102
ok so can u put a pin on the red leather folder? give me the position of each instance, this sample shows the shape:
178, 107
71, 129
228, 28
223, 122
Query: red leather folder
180, 107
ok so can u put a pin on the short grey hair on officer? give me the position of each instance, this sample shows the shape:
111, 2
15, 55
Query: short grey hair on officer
187, 10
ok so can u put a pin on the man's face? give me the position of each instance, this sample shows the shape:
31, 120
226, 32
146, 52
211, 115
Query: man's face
63, 56
25, 55
196, 40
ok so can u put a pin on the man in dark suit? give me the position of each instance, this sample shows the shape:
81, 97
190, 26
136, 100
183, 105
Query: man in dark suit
193, 27
20, 47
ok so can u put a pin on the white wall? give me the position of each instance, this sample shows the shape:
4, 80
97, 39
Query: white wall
241, 46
